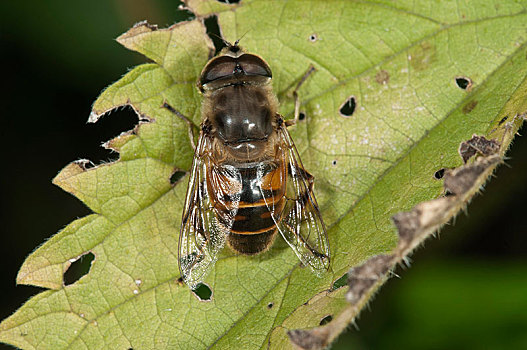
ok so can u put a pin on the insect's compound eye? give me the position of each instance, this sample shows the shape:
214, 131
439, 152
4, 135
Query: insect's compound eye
218, 68
224, 67
254, 65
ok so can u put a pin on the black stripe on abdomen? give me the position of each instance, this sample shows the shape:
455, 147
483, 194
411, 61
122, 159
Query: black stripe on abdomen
252, 220
251, 244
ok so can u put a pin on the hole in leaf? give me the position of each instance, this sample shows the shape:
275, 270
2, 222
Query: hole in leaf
503, 120
334, 162
176, 176
448, 193
438, 175
213, 29
313, 37
464, 83
78, 268
270, 305
325, 320
203, 292
341, 282
228, 1
301, 116
348, 107
183, 13
108, 127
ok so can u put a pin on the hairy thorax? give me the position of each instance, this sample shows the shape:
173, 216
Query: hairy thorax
243, 121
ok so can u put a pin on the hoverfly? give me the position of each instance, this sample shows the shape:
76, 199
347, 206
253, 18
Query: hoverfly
247, 181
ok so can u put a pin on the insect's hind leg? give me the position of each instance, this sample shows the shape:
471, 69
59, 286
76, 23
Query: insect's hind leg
309, 71
190, 124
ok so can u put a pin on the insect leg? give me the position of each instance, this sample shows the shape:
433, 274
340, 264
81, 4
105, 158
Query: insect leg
191, 125
309, 71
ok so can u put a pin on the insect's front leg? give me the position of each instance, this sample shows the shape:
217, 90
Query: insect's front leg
309, 71
190, 124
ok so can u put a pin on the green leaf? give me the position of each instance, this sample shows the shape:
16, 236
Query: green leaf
399, 62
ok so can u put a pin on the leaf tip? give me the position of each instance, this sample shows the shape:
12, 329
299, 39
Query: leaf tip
116, 143
39, 272
139, 28
74, 168
94, 117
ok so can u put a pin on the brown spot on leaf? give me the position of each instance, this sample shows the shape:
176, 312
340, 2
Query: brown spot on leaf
422, 56
478, 145
382, 77
361, 278
469, 107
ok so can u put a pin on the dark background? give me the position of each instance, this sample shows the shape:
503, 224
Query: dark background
467, 289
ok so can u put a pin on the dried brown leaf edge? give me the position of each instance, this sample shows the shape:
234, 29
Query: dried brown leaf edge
481, 157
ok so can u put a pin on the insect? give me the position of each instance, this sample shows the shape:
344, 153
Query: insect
247, 182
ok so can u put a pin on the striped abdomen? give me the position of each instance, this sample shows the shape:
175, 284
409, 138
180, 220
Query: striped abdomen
262, 196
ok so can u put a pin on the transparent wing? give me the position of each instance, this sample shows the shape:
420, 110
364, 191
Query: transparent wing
210, 206
300, 222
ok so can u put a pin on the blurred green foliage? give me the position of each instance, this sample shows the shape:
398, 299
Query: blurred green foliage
463, 304
467, 289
